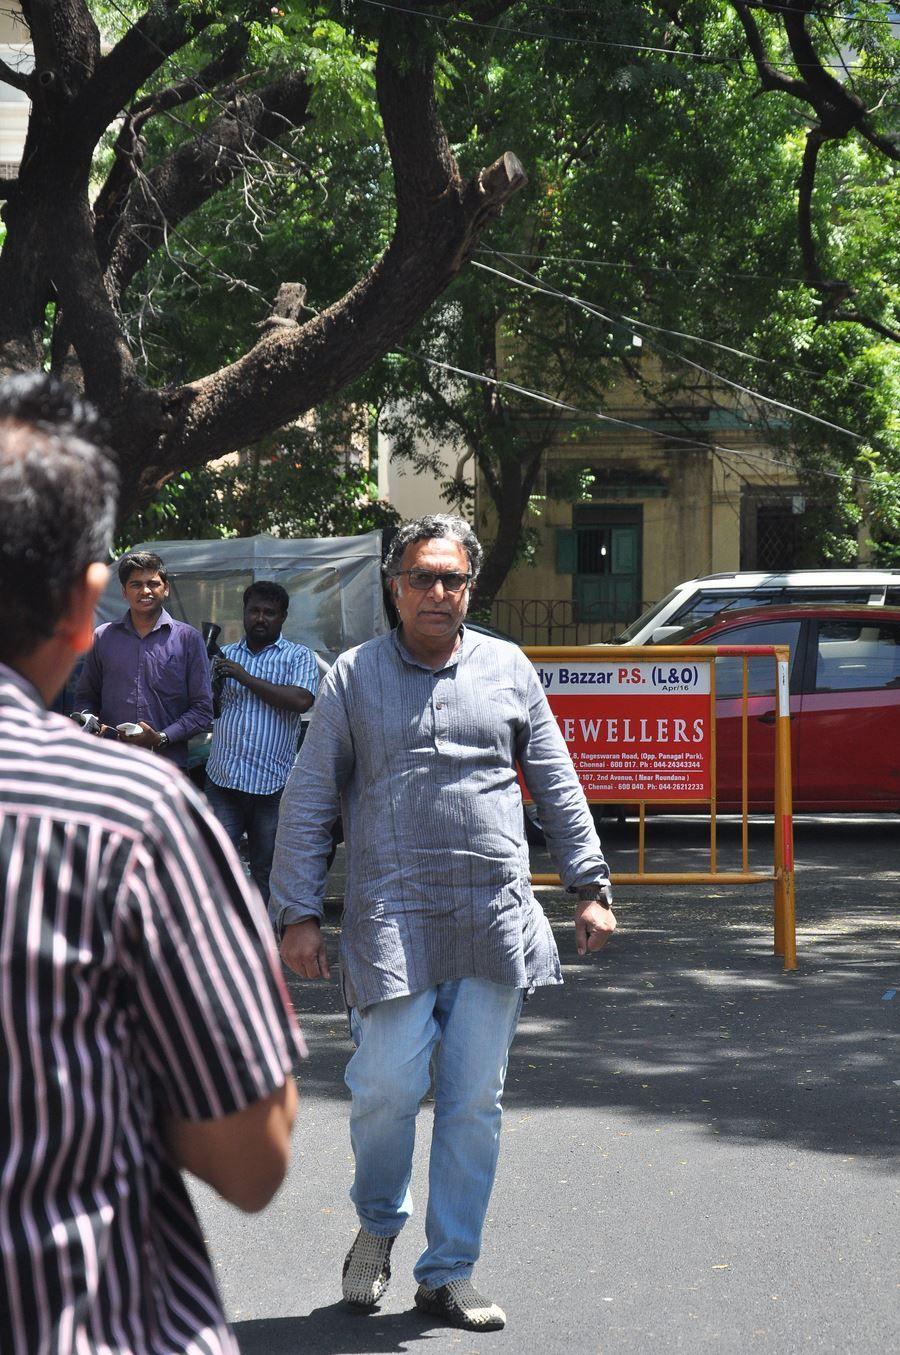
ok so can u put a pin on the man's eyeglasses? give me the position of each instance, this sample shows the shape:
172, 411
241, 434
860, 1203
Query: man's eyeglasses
424, 579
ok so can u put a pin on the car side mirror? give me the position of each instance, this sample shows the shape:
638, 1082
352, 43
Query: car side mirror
662, 633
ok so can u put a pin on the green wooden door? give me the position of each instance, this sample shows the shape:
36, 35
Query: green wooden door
607, 584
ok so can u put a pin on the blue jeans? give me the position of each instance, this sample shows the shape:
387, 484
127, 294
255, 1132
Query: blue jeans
463, 1030
239, 812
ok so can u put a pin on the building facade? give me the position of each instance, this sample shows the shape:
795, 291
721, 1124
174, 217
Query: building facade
625, 511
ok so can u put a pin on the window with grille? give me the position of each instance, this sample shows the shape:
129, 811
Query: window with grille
776, 536
594, 550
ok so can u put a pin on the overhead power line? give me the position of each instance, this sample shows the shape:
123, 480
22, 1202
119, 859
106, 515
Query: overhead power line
629, 264
674, 272
615, 320
543, 398
512, 30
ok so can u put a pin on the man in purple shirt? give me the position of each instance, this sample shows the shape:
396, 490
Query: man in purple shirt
148, 669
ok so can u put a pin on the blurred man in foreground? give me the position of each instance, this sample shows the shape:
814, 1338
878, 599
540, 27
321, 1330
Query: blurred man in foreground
143, 1024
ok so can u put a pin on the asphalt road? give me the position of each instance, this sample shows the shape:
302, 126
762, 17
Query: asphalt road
699, 1150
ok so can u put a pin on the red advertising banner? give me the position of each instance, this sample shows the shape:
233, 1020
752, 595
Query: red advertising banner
635, 731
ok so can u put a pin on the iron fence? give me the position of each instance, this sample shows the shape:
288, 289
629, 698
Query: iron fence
552, 621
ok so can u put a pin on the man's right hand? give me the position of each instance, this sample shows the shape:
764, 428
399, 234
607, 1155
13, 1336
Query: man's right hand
147, 738
303, 950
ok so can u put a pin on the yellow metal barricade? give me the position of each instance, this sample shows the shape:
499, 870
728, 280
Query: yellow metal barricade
635, 658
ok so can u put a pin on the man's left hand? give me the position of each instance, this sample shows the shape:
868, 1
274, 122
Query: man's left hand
594, 925
229, 668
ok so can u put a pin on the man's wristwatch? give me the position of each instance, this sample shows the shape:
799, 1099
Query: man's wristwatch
600, 893
162, 742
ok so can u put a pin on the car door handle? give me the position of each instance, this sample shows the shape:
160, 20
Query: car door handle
769, 718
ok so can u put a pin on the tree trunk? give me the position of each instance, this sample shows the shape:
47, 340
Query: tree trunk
516, 483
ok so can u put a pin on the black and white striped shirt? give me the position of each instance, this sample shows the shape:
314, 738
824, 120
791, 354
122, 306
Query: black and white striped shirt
138, 979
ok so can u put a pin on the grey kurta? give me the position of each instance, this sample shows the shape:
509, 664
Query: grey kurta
422, 765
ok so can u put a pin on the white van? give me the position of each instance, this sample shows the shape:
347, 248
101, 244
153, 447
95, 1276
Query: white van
703, 597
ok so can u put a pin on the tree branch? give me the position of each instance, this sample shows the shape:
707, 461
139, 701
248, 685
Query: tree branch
834, 291
805, 185
289, 305
90, 325
770, 77
221, 68
129, 148
856, 318
888, 145
66, 44
146, 46
39, 18
193, 173
581, 143
837, 108
452, 413
9, 76
440, 220
516, 483
839, 112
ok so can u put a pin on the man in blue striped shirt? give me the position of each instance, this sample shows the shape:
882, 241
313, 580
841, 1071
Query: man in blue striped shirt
269, 683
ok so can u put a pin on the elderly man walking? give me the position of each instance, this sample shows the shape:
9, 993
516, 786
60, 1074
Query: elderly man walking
416, 738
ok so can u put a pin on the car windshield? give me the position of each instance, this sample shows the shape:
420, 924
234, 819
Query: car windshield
645, 618
703, 606
706, 604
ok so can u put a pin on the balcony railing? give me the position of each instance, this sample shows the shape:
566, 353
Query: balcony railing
551, 621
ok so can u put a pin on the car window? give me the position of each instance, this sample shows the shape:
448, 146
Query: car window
761, 672
892, 597
700, 606
853, 656
831, 595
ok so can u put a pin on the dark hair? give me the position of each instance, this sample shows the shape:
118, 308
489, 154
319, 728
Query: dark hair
272, 592
140, 559
58, 489
434, 527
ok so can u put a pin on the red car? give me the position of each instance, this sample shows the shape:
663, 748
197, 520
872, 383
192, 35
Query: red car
845, 704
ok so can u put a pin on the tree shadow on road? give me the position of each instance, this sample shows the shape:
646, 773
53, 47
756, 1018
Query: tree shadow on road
334, 1330
689, 1016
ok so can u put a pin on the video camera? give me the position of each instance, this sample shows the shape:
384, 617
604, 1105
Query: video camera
92, 725
88, 722
211, 633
